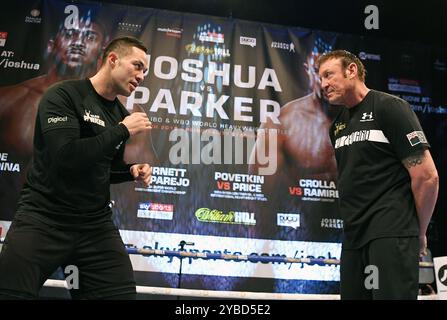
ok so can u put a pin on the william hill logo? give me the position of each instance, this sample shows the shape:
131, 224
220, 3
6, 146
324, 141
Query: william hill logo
218, 216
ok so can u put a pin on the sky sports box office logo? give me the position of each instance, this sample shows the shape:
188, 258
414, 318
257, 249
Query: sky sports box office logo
150, 210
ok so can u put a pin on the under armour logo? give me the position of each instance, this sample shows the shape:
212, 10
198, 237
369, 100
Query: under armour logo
367, 116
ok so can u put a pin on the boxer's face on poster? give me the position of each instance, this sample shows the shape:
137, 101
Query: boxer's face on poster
77, 48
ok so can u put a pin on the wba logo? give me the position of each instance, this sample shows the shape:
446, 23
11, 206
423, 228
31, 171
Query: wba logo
88, 117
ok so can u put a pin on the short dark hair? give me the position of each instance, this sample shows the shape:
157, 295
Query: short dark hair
346, 58
122, 45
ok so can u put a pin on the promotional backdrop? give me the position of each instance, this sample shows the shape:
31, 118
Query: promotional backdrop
242, 162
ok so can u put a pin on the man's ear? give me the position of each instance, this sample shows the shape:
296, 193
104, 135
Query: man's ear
352, 70
112, 58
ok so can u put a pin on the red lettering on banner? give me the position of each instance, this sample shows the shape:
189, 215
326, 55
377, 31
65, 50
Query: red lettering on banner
295, 191
223, 185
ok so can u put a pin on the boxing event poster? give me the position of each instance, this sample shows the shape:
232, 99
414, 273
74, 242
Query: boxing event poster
242, 162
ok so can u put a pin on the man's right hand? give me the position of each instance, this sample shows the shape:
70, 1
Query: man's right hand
422, 246
137, 122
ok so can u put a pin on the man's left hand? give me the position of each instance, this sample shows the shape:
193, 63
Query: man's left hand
142, 172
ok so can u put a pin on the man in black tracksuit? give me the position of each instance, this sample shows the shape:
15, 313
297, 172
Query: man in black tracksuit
387, 181
64, 216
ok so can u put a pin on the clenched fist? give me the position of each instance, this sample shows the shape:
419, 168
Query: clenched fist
141, 172
137, 122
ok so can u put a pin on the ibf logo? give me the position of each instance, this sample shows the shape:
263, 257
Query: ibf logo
367, 117
288, 220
